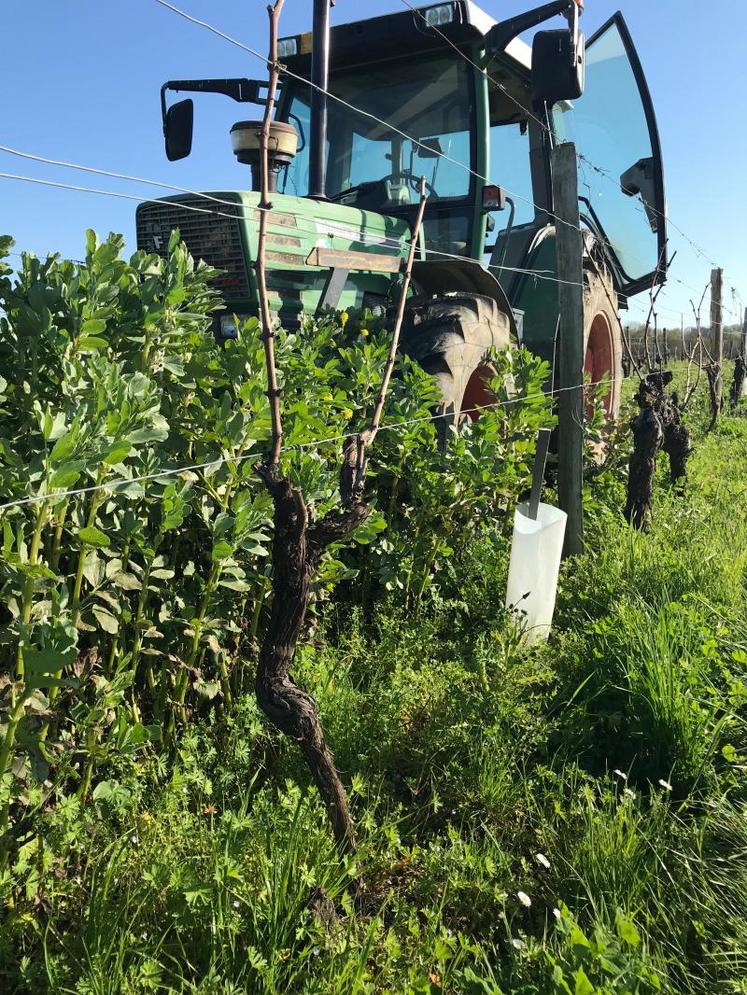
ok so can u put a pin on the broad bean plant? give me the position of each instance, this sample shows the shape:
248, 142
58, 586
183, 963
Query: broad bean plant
135, 531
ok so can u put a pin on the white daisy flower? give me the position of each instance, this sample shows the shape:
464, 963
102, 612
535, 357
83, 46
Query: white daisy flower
542, 859
525, 900
665, 784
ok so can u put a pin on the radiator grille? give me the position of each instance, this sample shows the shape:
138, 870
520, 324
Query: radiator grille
212, 237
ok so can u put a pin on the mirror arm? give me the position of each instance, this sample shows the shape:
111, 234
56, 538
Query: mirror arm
244, 91
507, 232
505, 31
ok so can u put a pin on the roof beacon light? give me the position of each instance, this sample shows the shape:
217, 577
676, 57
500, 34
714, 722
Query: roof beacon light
443, 14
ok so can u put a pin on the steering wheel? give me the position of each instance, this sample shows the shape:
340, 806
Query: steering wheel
411, 179
369, 185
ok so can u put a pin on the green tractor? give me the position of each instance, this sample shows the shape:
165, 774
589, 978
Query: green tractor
446, 92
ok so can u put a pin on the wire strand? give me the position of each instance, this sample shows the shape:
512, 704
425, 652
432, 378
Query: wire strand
339, 229
331, 226
311, 444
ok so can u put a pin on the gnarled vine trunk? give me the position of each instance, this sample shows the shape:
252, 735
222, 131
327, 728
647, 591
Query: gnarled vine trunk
297, 548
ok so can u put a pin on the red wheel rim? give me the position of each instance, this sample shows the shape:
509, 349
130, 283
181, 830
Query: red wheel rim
600, 357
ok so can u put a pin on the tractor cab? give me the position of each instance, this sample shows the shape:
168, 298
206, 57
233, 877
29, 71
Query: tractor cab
448, 93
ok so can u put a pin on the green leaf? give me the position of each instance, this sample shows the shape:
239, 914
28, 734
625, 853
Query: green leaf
63, 447
47, 649
158, 431
583, 985
66, 475
577, 937
221, 551
127, 581
92, 536
174, 365
235, 585
627, 931
105, 619
93, 326
91, 342
368, 531
120, 452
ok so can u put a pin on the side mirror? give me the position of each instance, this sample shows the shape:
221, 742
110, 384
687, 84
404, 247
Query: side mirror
178, 122
639, 180
558, 67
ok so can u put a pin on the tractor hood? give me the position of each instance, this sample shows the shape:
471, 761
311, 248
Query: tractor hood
222, 228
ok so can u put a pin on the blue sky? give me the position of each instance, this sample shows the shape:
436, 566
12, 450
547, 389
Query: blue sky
81, 80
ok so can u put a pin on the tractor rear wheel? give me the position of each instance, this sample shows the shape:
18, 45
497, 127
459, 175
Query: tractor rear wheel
603, 338
451, 338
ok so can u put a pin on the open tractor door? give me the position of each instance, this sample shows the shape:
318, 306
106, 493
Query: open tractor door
446, 92
622, 207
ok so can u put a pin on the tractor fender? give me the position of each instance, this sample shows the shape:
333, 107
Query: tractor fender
447, 276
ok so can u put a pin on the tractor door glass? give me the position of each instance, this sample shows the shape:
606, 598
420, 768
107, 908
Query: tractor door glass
620, 179
510, 168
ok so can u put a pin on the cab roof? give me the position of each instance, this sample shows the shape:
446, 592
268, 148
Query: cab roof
402, 33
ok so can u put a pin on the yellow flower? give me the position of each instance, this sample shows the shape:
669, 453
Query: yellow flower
326, 397
344, 318
364, 332
347, 413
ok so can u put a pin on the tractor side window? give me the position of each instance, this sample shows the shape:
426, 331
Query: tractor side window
510, 168
296, 180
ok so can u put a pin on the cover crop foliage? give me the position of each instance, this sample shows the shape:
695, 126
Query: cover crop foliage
134, 596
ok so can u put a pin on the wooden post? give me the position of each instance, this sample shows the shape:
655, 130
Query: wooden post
569, 247
743, 349
717, 333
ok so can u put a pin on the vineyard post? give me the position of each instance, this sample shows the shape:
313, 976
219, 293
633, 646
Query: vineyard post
743, 349
717, 333
569, 247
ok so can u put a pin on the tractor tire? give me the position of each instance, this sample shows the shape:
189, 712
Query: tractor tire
603, 337
451, 338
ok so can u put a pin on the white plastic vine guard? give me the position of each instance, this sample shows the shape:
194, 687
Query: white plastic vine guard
536, 548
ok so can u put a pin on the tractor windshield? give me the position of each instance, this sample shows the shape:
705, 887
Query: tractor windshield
418, 122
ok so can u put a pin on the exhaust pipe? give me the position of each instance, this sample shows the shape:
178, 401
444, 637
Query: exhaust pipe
320, 83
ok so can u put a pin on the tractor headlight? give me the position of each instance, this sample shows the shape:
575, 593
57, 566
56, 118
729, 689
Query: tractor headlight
436, 16
227, 327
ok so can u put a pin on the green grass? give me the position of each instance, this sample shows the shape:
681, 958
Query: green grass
477, 770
